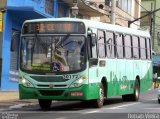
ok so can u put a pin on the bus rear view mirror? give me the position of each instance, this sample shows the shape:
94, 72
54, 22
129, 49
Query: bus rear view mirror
93, 61
93, 39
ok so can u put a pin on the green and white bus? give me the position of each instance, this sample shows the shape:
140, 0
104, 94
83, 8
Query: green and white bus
77, 59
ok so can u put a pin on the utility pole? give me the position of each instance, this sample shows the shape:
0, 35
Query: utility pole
113, 10
150, 13
151, 24
75, 8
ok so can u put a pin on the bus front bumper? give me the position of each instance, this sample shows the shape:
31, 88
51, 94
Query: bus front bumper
85, 92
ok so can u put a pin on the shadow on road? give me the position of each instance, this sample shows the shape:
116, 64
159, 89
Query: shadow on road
78, 105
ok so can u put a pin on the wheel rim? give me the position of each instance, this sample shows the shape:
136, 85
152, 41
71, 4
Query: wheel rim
101, 100
137, 92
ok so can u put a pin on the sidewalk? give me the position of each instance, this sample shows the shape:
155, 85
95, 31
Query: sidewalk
10, 100
6, 96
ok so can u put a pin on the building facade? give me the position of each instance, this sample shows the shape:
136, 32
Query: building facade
125, 11
14, 12
12, 15
152, 21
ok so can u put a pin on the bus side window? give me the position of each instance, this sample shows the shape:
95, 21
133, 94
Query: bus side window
135, 47
148, 48
128, 45
110, 44
89, 46
119, 44
101, 44
92, 49
143, 48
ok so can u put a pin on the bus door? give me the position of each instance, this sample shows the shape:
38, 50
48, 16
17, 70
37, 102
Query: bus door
136, 57
93, 59
120, 84
110, 63
101, 54
148, 41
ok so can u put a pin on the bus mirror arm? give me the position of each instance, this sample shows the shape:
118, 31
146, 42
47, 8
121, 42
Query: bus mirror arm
93, 62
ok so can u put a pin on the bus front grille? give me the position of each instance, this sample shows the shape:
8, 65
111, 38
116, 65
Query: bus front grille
47, 86
49, 79
51, 92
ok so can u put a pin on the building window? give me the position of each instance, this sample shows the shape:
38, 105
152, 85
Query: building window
49, 6
125, 5
108, 2
60, 11
14, 55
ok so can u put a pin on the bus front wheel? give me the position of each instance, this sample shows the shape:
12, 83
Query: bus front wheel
98, 103
135, 95
45, 104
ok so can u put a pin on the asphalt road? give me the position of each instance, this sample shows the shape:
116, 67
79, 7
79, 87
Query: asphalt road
114, 108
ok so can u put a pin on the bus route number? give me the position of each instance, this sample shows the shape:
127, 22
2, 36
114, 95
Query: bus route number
70, 76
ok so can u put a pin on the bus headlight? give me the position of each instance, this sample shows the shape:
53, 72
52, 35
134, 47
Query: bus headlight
80, 81
26, 83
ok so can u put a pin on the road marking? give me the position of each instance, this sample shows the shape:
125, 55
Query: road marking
17, 106
151, 99
152, 108
94, 111
121, 106
61, 118
2, 109
154, 99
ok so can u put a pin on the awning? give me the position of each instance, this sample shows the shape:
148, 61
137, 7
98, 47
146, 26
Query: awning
86, 9
26, 13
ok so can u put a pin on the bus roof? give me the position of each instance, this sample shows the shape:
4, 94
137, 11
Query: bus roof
98, 25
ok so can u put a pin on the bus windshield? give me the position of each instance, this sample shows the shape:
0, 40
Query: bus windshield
53, 53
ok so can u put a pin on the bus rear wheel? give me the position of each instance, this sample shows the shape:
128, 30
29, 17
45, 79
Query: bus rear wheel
98, 103
45, 104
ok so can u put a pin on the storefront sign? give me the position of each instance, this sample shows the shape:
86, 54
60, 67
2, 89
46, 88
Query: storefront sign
1, 22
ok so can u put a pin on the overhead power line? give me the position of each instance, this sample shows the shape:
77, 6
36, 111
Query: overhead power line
145, 9
130, 22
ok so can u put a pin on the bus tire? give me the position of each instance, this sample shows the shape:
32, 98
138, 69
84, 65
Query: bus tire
98, 103
159, 101
135, 95
45, 104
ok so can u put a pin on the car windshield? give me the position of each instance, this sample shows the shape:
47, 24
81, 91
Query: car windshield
53, 53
